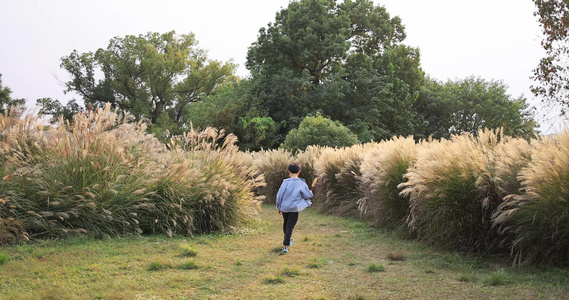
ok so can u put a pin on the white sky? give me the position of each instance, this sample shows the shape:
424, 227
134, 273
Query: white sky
493, 39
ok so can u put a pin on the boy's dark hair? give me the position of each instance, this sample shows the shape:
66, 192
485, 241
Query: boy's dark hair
293, 168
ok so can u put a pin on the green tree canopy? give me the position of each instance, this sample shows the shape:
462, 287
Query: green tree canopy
319, 131
343, 59
233, 110
471, 104
154, 76
58, 111
6, 100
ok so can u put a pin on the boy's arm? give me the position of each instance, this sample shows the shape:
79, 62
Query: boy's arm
279, 199
306, 192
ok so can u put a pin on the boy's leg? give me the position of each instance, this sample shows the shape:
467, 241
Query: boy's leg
285, 220
290, 222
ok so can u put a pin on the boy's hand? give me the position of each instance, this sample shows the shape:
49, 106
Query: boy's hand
280, 212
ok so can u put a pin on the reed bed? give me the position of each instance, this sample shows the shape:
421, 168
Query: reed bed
104, 176
537, 218
454, 192
484, 193
307, 159
383, 169
273, 165
338, 170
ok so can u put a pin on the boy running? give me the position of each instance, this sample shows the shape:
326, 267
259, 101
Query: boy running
293, 197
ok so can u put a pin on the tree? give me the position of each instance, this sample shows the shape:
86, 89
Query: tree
552, 73
471, 104
154, 76
319, 131
6, 100
341, 59
234, 110
57, 111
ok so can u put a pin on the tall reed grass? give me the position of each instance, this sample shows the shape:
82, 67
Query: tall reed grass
104, 176
454, 192
537, 218
273, 165
338, 170
383, 169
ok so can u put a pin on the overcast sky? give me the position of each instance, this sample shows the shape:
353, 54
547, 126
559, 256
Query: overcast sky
491, 39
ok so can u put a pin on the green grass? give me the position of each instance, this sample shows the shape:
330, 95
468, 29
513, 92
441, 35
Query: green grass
373, 268
3, 258
187, 250
244, 266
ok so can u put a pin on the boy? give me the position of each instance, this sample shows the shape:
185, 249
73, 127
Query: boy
293, 197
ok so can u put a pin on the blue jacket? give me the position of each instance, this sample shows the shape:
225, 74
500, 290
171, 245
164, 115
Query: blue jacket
293, 195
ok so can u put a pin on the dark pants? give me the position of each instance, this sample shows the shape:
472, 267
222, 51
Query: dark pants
290, 220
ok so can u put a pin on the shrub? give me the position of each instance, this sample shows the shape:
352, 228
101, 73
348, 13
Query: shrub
537, 218
383, 169
319, 131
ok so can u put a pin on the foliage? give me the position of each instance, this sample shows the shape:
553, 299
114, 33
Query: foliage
552, 70
319, 131
468, 105
307, 161
154, 76
536, 218
342, 59
57, 111
6, 100
233, 110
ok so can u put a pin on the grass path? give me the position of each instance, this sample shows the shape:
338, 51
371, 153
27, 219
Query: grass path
331, 258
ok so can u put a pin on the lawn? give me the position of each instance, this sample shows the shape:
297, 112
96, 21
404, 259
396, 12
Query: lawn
331, 258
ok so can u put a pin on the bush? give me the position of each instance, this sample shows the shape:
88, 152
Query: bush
319, 131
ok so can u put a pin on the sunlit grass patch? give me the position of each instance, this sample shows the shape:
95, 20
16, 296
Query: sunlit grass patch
187, 250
